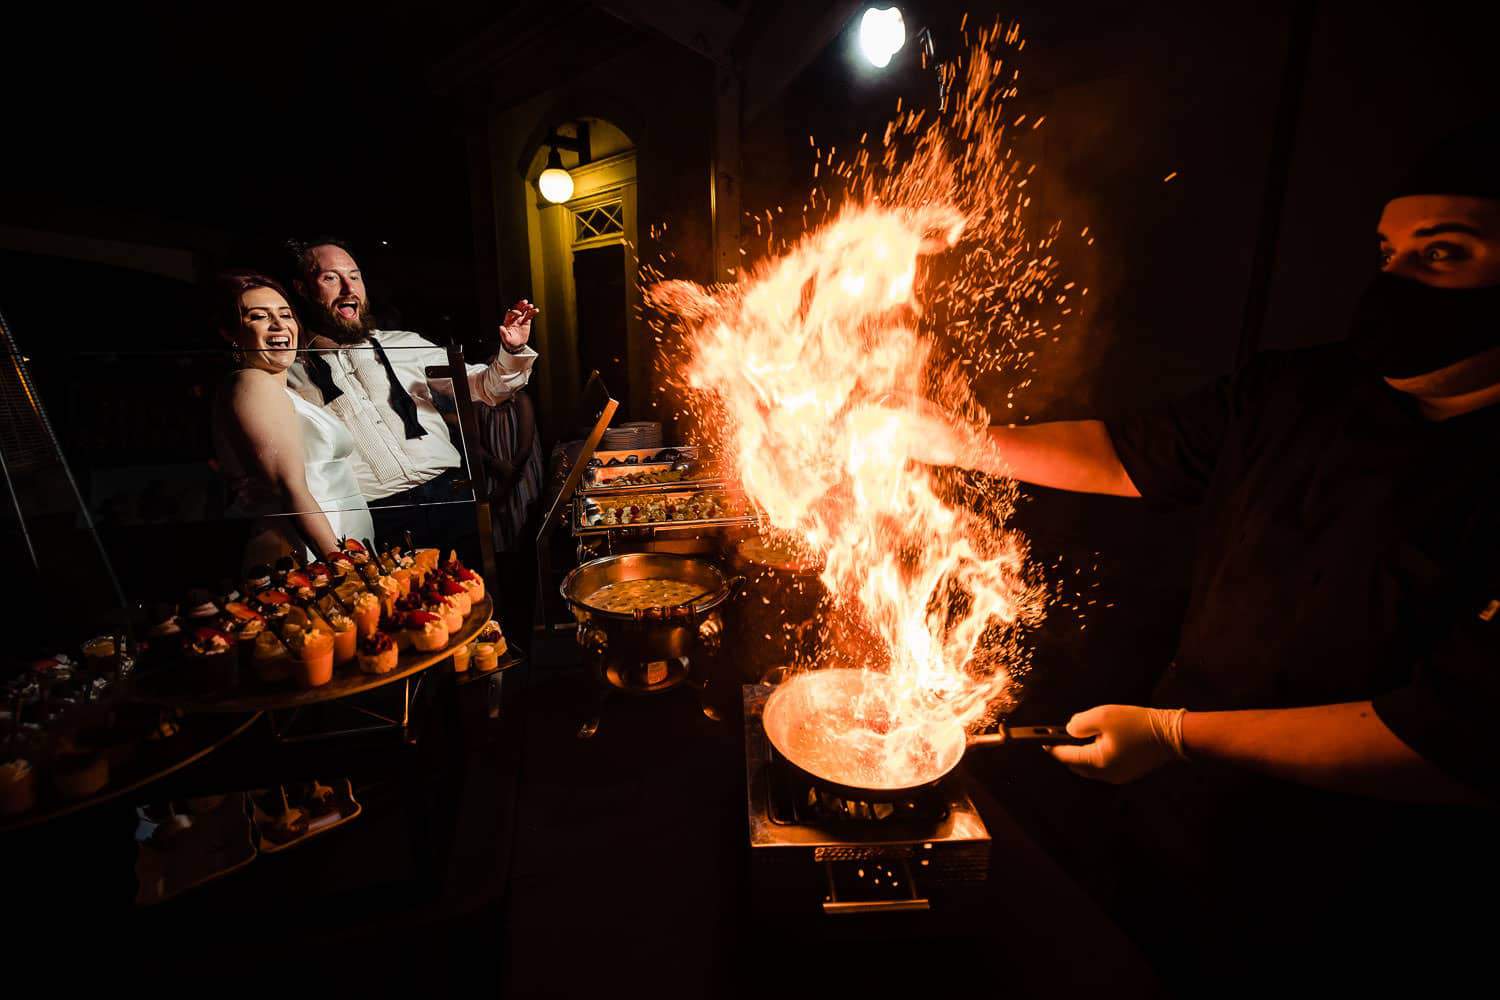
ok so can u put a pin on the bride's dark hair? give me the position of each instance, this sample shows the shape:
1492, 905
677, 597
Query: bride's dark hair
225, 294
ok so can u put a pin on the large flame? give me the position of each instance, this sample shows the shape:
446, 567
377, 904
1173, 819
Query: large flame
818, 372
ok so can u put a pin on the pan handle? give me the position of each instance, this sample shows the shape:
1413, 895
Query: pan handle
1048, 735
1055, 735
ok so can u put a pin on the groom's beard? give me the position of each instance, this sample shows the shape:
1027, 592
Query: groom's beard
344, 330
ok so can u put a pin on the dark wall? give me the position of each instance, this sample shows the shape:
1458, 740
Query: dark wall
1382, 84
224, 130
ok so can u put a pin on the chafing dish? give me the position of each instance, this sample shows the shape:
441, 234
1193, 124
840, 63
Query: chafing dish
638, 456
610, 480
591, 514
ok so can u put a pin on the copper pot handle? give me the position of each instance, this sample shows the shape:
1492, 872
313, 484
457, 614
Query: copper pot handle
710, 632
592, 639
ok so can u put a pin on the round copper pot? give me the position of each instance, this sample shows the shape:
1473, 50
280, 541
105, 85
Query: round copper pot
625, 640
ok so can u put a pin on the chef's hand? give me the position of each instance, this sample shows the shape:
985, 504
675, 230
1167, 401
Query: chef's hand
516, 329
930, 434
1129, 742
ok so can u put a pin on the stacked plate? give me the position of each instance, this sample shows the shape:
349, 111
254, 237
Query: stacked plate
632, 435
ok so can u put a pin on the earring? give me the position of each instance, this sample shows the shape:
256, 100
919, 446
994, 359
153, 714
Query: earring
237, 356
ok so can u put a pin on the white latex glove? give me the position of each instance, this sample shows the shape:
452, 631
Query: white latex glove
1129, 742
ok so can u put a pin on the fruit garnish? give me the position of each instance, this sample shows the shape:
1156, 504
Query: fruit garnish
449, 586
243, 611
297, 578
352, 545
377, 643
208, 634
422, 618
274, 596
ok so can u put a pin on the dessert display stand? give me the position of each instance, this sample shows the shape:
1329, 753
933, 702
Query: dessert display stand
152, 761
284, 704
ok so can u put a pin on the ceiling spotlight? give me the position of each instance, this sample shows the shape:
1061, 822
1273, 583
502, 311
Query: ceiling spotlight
882, 32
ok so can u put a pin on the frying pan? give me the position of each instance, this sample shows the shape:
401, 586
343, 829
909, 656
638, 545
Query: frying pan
832, 727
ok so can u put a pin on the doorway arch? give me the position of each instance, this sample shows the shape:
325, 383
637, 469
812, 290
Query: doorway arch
585, 272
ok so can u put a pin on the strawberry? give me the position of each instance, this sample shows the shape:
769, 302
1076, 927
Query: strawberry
377, 643
420, 618
273, 596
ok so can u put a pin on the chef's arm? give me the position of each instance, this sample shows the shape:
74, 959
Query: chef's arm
1341, 748
1075, 455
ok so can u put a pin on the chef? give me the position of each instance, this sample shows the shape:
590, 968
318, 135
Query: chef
1310, 787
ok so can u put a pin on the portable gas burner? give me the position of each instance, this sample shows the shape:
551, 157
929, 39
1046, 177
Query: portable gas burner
807, 844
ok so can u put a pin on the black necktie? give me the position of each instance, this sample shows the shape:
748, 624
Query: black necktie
321, 375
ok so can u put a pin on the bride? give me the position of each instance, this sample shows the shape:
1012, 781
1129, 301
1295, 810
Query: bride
286, 461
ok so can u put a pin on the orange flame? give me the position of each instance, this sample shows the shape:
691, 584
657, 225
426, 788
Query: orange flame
816, 370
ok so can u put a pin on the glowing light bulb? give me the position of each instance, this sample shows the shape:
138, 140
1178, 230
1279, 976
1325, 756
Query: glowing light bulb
882, 32
556, 185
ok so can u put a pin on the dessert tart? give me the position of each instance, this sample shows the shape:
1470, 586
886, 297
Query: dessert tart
212, 662
450, 588
472, 582
428, 631
447, 610
199, 607
378, 654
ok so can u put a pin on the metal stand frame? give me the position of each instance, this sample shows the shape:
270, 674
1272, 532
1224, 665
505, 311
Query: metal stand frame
282, 722
457, 371
599, 406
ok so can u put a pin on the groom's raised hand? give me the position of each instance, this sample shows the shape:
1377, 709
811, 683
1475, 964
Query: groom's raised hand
515, 330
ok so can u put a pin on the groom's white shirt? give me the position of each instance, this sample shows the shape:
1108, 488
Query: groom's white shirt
385, 461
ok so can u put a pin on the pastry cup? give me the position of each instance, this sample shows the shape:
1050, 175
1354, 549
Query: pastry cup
382, 662
344, 644
430, 636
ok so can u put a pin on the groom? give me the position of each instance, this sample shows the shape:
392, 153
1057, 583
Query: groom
375, 382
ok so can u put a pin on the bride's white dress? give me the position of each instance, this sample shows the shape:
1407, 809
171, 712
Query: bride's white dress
326, 449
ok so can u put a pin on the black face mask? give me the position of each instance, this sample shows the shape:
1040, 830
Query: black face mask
1403, 328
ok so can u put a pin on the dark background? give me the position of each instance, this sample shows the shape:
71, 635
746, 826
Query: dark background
145, 147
